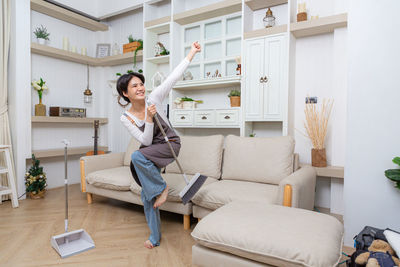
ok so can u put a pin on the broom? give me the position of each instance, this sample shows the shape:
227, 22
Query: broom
192, 186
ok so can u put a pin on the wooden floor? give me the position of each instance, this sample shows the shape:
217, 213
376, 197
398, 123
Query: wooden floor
117, 228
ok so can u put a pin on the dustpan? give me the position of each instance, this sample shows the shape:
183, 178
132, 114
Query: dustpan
70, 243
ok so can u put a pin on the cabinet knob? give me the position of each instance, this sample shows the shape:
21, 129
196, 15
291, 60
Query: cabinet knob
265, 79
183, 117
261, 79
227, 117
204, 118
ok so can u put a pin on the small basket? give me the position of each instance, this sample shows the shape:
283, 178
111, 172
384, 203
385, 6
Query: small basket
301, 16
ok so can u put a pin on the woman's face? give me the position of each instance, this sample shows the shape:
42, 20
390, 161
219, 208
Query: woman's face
136, 90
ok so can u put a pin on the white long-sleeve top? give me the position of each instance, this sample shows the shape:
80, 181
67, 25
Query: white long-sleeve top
156, 97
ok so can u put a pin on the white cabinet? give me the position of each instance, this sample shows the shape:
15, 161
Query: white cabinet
227, 117
265, 78
182, 117
204, 117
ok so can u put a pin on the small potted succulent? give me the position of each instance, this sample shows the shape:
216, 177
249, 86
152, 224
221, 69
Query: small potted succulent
35, 180
41, 35
234, 96
394, 174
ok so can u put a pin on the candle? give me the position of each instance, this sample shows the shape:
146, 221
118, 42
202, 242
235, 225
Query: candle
83, 51
65, 43
73, 49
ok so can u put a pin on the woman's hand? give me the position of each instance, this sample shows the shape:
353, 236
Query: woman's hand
195, 48
151, 111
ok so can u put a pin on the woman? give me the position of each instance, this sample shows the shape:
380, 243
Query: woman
154, 152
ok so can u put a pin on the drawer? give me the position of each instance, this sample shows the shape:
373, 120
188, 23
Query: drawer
204, 117
182, 117
227, 117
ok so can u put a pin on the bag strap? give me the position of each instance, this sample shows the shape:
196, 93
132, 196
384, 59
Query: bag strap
130, 119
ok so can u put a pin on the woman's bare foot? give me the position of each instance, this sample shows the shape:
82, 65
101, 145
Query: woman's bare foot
161, 198
148, 244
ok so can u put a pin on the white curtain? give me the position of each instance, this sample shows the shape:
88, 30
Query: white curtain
5, 135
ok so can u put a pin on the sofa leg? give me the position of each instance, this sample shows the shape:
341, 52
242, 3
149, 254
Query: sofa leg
89, 197
186, 222
198, 219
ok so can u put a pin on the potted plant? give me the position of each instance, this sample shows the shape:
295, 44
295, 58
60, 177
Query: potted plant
186, 102
41, 34
132, 44
316, 125
234, 96
35, 180
39, 86
394, 174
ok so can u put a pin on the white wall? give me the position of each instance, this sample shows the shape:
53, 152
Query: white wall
372, 117
321, 71
101, 9
19, 102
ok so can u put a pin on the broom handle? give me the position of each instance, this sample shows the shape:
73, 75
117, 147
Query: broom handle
66, 187
170, 147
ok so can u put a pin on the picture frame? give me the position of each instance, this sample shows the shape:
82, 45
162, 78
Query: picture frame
103, 50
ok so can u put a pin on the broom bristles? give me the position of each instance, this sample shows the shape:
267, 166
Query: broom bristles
316, 122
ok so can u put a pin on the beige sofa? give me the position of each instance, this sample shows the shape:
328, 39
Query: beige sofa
254, 169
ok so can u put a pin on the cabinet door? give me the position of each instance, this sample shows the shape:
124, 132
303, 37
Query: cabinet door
254, 70
274, 59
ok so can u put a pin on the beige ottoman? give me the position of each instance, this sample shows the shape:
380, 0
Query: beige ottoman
254, 233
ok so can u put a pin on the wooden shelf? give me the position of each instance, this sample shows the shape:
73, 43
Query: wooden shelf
318, 26
49, 51
158, 60
48, 119
67, 15
260, 4
126, 58
329, 171
207, 12
159, 29
208, 83
60, 152
155, 22
265, 31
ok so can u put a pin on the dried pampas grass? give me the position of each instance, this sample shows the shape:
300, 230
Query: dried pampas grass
316, 122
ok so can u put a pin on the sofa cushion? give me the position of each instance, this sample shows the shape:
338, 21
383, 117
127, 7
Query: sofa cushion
119, 178
215, 195
132, 147
175, 182
263, 160
201, 154
272, 234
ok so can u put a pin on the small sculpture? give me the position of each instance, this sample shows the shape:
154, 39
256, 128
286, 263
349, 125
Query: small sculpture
187, 76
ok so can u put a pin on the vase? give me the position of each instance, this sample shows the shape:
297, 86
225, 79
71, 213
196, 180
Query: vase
318, 157
40, 109
41, 41
38, 195
235, 101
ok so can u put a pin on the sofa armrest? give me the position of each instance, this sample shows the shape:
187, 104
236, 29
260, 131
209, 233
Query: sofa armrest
90, 164
298, 188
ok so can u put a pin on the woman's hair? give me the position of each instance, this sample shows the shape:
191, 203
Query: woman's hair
122, 85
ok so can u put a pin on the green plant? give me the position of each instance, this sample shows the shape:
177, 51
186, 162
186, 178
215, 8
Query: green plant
35, 178
137, 49
129, 71
41, 32
185, 98
234, 93
40, 86
130, 38
394, 174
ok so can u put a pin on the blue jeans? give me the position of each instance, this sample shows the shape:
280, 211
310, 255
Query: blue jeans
152, 186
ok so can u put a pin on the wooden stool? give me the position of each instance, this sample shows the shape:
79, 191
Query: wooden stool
11, 188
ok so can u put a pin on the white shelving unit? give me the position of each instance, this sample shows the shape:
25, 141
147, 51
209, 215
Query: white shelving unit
211, 83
